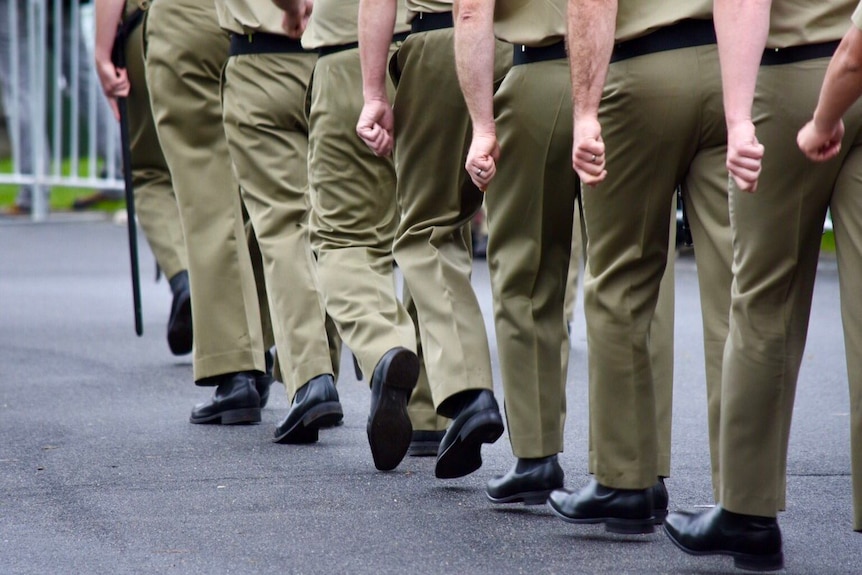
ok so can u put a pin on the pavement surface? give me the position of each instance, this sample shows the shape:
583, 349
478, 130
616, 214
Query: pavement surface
100, 471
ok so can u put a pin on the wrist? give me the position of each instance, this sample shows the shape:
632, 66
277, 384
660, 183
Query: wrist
825, 125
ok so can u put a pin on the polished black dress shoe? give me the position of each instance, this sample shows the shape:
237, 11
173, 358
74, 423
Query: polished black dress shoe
235, 401
626, 511
530, 481
389, 428
180, 320
753, 542
425, 443
476, 420
659, 501
263, 381
315, 405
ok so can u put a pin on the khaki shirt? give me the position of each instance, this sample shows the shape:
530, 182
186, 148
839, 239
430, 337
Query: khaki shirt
798, 22
133, 6
249, 16
335, 22
637, 18
432, 6
533, 23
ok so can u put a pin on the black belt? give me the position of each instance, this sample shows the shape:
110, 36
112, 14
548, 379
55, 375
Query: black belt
527, 55
263, 43
683, 34
778, 56
428, 21
327, 50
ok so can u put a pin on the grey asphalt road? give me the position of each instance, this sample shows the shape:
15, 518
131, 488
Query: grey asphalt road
100, 471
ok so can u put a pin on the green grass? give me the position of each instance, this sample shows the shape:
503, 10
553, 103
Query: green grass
61, 198
827, 244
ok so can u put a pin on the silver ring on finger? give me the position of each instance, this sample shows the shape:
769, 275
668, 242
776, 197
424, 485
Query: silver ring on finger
593, 159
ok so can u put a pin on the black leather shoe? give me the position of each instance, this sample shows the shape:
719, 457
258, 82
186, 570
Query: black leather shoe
753, 542
529, 481
626, 511
180, 321
659, 501
264, 380
389, 428
235, 401
425, 443
477, 421
315, 405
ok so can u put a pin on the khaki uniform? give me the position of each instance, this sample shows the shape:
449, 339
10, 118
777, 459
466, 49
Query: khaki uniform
155, 202
354, 214
185, 54
777, 233
437, 202
263, 92
658, 135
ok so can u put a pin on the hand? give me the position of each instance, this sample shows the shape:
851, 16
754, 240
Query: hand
588, 151
744, 156
482, 159
376, 126
296, 15
115, 83
820, 144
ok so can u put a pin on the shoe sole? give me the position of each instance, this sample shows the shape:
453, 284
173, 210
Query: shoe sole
389, 428
231, 417
464, 455
743, 561
423, 448
180, 337
526, 497
617, 525
306, 429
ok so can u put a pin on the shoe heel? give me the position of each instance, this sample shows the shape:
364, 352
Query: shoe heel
536, 498
323, 415
630, 526
234, 416
766, 563
486, 425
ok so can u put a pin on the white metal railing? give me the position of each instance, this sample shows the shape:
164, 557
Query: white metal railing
51, 98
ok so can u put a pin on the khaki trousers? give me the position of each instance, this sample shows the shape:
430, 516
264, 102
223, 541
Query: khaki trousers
657, 135
267, 135
437, 202
574, 267
353, 217
777, 234
530, 209
530, 265
155, 202
185, 54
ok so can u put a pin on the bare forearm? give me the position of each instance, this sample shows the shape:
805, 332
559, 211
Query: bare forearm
742, 27
108, 15
474, 59
842, 85
376, 25
591, 27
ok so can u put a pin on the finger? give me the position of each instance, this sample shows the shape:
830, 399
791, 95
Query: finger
114, 108
591, 179
745, 182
